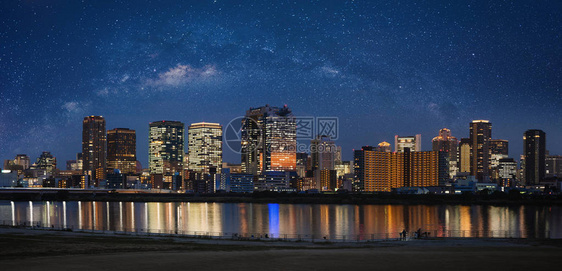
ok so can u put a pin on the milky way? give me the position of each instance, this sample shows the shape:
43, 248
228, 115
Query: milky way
382, 68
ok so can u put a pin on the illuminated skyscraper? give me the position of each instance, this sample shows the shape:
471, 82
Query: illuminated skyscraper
499, 146
480, 135
47, 162
411, 142
383, 171
205, 147
499, 149
94, 147
464, 155
165, 147
322, 152
534, 149
553, 165
302, 161
448, 144
269, 140
122, 150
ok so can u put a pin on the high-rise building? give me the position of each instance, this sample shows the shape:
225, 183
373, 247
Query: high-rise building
47, 162
553, 165
464, 155
122, 150
23, 161
327, 180
94, 149
383, 171
268, 140
499, 149
448, 144
322, 153
480, 135
337, 155
19, 164
302, 160
165, 147
411, 142
534, 148
384, 147
205, 147
521, 173
507, 168
499, 146
78, 163
343, 168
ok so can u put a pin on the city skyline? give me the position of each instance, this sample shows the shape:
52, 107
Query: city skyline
384, 69
237, 160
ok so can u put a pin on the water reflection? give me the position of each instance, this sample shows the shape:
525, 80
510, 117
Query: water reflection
333, 221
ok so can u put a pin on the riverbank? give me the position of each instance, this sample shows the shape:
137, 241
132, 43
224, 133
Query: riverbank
50, 250
273, 197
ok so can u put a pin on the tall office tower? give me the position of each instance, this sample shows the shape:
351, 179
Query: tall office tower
499, 149
499, 146
205, 147
302, 159
165, 147
384, 147
464, 155
322, 152
47, 162
448, 144
337, 155
411, 142
94, 149
521, 173
480, 135
553, 165
23, 161
268, 140
534, 147
122, 150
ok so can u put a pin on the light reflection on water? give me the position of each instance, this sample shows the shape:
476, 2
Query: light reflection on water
290, 219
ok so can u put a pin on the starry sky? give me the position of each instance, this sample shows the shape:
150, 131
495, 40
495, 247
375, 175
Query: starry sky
381, 67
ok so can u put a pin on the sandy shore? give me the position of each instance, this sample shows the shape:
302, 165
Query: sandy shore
22, 249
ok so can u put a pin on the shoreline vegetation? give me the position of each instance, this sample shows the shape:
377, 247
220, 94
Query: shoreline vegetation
496, 198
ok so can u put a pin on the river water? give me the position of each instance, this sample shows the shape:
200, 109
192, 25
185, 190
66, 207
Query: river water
289, 220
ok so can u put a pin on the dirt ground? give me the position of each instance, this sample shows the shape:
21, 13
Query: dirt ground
44, 250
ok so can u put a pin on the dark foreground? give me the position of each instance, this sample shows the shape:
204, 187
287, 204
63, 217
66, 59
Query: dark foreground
44, 250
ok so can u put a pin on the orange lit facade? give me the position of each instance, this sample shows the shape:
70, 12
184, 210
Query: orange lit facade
424, 169
268, 140
283, 161
382, 171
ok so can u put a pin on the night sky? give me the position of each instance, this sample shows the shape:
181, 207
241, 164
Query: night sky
402, 68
